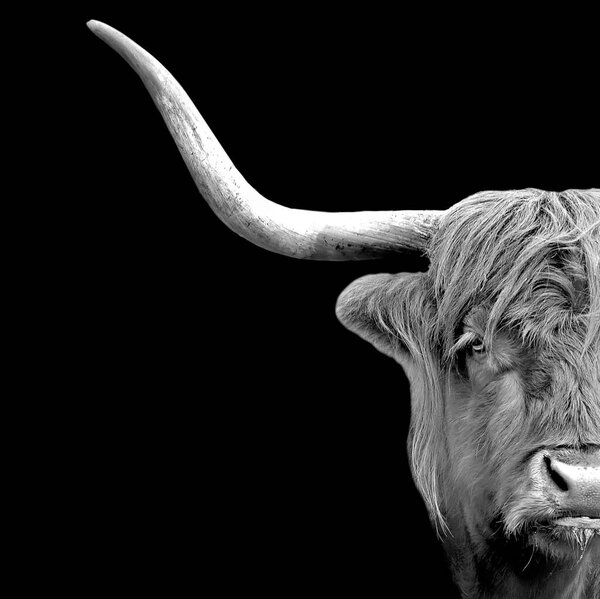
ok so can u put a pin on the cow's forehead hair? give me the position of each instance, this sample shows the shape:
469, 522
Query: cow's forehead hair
531, 257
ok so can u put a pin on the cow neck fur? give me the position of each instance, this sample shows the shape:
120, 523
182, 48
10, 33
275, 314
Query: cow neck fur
485, 566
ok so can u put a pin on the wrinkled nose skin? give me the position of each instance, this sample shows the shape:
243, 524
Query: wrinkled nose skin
572, 481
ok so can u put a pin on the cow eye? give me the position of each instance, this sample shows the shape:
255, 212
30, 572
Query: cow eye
478, 347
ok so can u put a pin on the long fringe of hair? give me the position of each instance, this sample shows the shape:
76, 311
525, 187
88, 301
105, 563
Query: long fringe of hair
523, 255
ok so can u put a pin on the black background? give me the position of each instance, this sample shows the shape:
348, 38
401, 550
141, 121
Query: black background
225, 428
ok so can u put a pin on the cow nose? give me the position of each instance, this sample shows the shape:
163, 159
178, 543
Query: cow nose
574, 483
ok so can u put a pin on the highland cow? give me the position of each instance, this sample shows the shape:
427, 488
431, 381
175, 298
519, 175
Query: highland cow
500, 340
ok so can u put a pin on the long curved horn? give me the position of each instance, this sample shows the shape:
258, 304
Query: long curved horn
297, 233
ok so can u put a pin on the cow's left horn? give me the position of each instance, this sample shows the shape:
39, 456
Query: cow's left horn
297, 233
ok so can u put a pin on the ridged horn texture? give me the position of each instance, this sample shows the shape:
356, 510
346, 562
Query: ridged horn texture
298, 233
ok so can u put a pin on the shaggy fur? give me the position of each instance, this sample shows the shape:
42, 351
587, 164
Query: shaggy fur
517, 275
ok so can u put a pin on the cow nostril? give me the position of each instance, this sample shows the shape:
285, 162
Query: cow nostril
557, 479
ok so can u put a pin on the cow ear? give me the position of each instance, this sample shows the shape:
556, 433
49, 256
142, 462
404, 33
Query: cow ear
389, 311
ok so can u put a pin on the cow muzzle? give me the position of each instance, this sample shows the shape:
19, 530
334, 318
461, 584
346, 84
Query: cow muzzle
570, 481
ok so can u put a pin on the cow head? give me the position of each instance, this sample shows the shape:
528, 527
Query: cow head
500, 340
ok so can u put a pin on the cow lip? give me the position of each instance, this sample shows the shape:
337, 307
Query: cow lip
578, 522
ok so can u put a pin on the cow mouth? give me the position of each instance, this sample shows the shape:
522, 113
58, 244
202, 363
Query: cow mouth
565, 535
579, 523
568, 527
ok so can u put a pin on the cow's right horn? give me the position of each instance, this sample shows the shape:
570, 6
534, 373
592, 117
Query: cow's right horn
297, 233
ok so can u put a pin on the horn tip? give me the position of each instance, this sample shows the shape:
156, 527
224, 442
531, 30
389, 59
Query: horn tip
95, 26
106, 33
102, 30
